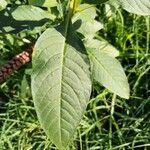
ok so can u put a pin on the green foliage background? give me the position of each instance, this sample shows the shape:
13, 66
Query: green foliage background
122, 125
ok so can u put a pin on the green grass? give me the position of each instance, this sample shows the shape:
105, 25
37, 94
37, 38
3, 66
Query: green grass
109, 122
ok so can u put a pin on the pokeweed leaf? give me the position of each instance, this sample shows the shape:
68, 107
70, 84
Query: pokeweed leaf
3, 4
43, 3
86, 12
108, 71
140, 7
61, 83
102, 46
30, 13
10, 25
84, 21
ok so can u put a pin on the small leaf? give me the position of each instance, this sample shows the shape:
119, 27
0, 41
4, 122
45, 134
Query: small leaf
102, 46
61, 84
108, 71
25, 88
84, 21
27, 12
86, 12
3, 4
43, 3
77, 3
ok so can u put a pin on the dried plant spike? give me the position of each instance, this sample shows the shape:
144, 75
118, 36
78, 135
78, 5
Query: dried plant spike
15, 63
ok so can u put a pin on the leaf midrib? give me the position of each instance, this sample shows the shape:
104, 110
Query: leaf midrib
62, 70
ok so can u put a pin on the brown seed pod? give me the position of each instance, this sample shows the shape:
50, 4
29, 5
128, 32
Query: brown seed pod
15, 63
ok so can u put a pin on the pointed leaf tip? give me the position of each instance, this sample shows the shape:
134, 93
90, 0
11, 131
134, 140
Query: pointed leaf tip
109, 72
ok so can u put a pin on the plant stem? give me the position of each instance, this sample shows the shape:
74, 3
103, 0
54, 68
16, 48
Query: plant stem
148, 34
111, 120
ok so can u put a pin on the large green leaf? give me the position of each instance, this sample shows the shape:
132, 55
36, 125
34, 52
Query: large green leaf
141, 7
108, 71
30, 13
9, 25
3, 4
43, 3
61, 84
